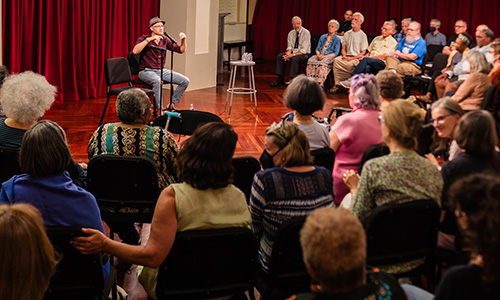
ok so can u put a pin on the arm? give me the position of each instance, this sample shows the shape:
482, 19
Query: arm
257, 203
182, 36
142, 44
405, 56
362, 198
163, 229
334, 141
466, 89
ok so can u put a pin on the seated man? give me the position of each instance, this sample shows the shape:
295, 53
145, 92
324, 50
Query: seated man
434, 37
409, 54
374, 60
354, 44
404, 30
460, 27
345, 26
298, 46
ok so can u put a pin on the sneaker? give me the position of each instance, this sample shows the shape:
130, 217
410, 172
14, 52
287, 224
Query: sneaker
346, 83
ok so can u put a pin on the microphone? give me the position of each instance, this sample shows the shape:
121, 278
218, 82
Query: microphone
171, 38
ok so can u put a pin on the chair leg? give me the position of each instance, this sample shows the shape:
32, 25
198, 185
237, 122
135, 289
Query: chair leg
104, 111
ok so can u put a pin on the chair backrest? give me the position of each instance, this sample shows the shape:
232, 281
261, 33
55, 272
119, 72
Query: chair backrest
432, 50
124, 181
314, 43
489, 98
9, 165
188, 121
117, 71
373, 151
77, 276
439, 62
209, 263
324, 157
398, 233
286, 267
245, 168
133, 62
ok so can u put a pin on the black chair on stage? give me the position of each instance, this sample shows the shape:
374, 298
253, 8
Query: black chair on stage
210, 263
245, 168
117, 71
287, 274
133, 63
9, 163
187, 122
77, 276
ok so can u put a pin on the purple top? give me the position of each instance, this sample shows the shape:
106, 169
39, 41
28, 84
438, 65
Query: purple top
356, 131
151, 57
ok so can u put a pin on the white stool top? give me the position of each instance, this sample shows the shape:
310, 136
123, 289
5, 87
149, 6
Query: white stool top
242, 63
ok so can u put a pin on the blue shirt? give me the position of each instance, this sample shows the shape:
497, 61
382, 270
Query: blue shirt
334, 46
399, 36
418, 47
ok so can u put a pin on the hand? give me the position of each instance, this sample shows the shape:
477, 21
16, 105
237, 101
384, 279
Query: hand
155, 38
287, 56
430, 157
351, 179
320, 57
83, 165
94, 243
182, 36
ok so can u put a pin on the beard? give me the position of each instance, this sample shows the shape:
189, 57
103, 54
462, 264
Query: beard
411, 39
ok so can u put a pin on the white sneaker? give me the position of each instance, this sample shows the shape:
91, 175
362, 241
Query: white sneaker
346, 83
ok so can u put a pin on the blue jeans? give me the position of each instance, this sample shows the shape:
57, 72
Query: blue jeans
416, 293
369, 65
152, 77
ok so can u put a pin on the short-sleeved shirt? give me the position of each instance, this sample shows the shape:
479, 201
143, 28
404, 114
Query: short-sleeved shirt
381, 45
355, 42
317, 134
438, 39
151, 57
418, 47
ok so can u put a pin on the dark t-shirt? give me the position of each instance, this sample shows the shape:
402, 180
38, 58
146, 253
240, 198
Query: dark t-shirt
345, 26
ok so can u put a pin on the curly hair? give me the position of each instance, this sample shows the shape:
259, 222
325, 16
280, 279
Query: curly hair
29, 260
205, 159
304, 95
337, 257
402, 118
293, 143
26, 96
132, 104
478, 196
366, 91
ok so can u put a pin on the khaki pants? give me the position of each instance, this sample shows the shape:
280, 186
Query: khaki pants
402, 67
342, 69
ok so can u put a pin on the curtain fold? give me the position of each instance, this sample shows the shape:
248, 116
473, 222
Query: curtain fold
69, 40
271, 22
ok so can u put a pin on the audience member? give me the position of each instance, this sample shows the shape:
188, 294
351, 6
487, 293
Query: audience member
27, 258
320, 65
44, 157
460, 27
134, 137
354, 45
293, 188
394, 21
352, 133
305, 97
374, 59
25, 98
297, 50
409, 54
345, 25
390, 86
405, 23
336, 259
205, 200
434, 37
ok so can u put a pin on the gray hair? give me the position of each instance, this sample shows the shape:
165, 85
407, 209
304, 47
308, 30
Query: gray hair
450, 105
366, 91
407, 20
26, 96
438, 23
296, 18
334, 22
361, 17
464, 39
489, 33
131, 105
393, 26
465, 23
478, 62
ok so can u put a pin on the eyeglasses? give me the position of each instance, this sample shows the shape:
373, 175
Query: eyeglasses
459, 26
385, 29
439, 120
158, 26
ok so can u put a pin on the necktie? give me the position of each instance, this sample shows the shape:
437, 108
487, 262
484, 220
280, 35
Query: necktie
297, 41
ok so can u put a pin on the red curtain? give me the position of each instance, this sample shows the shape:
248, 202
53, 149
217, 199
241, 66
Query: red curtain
271, 22
69, 40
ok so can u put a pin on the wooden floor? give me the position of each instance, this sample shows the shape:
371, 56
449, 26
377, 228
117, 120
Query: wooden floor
80, 118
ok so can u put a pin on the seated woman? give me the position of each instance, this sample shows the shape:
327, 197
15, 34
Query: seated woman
471, 92
205, 200
24, 100
44, 157
293, 188
27, 258
399, 177
341, 274
320, 65
305, 97
352, 133
445, 114
476, 134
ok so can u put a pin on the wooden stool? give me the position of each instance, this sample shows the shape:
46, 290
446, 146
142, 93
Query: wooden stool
241, 90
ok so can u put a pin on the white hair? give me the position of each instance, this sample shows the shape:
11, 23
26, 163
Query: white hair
334, 22
297, 18
361, 17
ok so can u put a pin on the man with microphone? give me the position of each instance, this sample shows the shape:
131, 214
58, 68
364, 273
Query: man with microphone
151, 49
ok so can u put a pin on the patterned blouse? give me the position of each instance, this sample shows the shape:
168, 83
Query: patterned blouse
153, 142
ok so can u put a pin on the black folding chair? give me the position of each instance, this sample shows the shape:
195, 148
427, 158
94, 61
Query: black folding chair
287, 274
9, 163
324, 157
245, 168
117, 71
77, 276
133, 63
211, 263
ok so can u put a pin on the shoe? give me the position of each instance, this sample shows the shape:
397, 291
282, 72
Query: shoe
346, 83
277, 83
288, 82
170, 107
